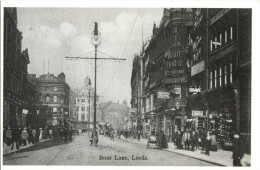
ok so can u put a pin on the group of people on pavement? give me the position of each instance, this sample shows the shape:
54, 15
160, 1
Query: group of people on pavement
22, 136
203, 138
161, 139
193, 138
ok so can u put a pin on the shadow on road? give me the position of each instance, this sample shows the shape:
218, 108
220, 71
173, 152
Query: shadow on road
43, 145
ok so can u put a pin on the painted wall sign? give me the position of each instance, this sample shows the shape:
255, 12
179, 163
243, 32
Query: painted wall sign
174, 72
175, 80
198, 68
222, 53
219, 15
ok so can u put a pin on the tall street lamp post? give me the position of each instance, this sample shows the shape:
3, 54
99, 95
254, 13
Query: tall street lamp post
89, 88
95, 40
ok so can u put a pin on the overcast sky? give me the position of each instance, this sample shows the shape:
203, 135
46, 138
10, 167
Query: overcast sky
50, 34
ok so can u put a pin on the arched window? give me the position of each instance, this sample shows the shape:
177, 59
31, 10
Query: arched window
47, 99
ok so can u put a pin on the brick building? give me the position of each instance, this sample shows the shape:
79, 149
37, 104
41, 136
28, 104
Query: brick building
53, 100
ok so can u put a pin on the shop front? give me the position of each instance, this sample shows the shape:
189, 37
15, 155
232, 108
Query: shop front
222, 116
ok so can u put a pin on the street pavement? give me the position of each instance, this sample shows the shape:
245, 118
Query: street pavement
108, 152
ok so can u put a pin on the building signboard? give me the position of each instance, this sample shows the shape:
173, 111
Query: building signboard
198, 68
163, 95
194, 90
175, 80
197, 113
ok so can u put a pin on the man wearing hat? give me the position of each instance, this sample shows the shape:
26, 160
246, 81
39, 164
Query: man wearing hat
238, 152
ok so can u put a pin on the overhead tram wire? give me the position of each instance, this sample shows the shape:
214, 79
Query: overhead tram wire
67, 46
123, 50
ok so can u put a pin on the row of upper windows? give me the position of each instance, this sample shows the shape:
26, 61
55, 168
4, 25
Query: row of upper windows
54, 99
222, 39
81, 100
221, 76
83, 108
48, 88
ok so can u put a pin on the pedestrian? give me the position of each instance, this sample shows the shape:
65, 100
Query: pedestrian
164, 140
24, 136
50, 134
203, 139
186, 139
33, 135
126, 133
19, 136
70, 131
94, 136
16, 138
4, 135
207, 143
29, 131
112, 135
238, 149
139, 136
193, 140
37, 135
65, 134
9, 136
40, 134
160, 139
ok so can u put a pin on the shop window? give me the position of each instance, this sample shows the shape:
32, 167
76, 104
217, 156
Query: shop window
220, 77
211, 83
215, 81
225, 75
231, 73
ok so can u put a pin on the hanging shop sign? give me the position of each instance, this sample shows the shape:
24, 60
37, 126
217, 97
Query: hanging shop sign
132, 110
25, 111
198, 68
197, 113
194, 89
163, 95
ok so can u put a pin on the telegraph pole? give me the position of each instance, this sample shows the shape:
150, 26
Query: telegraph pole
95, 40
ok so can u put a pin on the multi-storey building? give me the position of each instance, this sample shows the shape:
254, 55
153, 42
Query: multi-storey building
53, 101
72, 109
221, 72
85, 106
15, 105
165, 71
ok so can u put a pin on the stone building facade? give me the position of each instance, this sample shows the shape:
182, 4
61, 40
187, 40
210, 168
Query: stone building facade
15, 105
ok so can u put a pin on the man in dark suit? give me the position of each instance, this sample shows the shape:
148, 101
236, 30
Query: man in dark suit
238, 151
